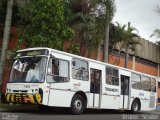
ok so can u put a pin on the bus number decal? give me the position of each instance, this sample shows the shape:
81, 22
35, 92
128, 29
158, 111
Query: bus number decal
111, 89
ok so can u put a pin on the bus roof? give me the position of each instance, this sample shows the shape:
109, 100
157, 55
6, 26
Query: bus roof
88, 59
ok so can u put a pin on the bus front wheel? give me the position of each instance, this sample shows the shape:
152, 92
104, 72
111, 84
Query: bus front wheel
135, 106
77, 105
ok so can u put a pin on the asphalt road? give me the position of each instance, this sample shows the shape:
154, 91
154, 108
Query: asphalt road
64, 114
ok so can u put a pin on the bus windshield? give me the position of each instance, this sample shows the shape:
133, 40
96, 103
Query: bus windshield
28, 70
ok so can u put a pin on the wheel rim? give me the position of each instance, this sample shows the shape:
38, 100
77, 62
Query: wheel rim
78, 104
135, 106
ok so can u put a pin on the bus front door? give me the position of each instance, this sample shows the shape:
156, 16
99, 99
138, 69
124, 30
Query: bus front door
95, 76
124, 101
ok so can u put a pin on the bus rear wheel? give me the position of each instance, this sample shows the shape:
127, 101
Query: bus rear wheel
135, 106
77, 105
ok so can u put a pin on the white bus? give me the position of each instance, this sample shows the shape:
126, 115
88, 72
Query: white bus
50, 77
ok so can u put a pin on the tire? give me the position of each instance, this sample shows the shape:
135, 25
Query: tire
77, 105
135, 106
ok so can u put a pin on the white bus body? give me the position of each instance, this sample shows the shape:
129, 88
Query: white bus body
67, 80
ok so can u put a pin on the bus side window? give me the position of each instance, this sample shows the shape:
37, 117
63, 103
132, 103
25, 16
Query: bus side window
79, 69
55, 66
136, 81
58, 70
49, 72
153, 85
146, 83
112, 76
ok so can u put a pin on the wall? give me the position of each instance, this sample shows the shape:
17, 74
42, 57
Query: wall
140, 65
148, 51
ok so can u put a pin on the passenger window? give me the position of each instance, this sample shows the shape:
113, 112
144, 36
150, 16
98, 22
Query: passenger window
112, 76
146, 83
136, 81
79, 69
153, 85
58, 70
115, 72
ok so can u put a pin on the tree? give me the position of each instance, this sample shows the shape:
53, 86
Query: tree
84, 18
130, 42
156, 33
88, 18
44, 27
6, 36
116, 35
109, 10
125, 39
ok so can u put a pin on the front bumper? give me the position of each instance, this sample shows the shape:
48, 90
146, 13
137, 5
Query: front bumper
23, 98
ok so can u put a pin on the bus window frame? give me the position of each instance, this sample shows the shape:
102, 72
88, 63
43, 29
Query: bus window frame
111, 75
133, 81
79, 69
149, 84
155, 89
50, 74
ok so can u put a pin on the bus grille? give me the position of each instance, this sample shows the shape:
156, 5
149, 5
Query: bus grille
152, 102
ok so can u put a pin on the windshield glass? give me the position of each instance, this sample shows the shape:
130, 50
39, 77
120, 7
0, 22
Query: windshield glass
28, 69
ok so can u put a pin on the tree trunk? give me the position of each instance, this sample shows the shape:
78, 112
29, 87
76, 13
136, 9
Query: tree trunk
106, 43
6, 36
117, 57
126, 59
98, 52
127, 54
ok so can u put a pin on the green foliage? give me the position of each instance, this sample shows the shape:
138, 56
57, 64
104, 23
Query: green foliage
109, 9
125, 37
74, 49
87, 18
156, 33
43, 24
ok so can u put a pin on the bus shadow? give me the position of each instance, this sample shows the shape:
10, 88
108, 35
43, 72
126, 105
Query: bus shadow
66, 111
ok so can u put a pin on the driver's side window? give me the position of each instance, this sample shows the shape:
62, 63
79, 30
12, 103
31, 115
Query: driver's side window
58, 70
53, 67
